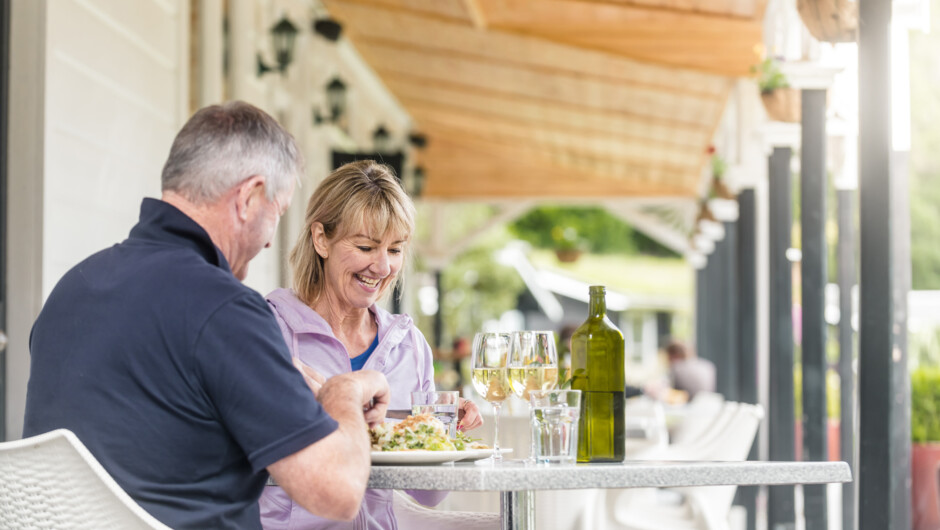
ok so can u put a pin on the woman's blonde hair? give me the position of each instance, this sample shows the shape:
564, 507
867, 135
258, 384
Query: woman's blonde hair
358, 195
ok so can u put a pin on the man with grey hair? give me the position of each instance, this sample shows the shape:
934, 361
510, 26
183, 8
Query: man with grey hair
174, 374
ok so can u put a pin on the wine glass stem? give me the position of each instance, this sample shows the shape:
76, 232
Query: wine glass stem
531, 435
496, 407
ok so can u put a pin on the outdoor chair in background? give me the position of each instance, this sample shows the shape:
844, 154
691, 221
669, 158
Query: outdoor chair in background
412, 515
51, 481
697, 416
729, 438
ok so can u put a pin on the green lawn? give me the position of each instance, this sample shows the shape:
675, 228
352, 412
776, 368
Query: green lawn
628, 274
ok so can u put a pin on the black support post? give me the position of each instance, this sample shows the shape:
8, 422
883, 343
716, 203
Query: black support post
705, 289
846, 257
4, 118
884, 388
781, 512
439, 316
813, 280
747, 328
701, 280
729, 313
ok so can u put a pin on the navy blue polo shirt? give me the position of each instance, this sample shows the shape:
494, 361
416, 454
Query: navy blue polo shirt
173, 374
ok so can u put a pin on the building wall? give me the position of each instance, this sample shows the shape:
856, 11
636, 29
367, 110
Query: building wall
101, 92
113, 104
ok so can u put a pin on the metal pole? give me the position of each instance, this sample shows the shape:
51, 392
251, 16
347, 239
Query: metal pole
884, 393
517, 509
781, 512
814, 278
846, 256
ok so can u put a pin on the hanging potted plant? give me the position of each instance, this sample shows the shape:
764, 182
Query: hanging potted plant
719, 167
781, 101
830, 20
925, 447
568, 246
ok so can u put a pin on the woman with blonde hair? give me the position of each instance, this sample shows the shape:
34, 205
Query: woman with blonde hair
358, 225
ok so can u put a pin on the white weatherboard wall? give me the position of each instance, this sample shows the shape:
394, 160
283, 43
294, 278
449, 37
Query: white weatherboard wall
107, 94
113, 105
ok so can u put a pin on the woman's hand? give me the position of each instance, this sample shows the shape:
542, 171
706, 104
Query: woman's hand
313, 378
468, 415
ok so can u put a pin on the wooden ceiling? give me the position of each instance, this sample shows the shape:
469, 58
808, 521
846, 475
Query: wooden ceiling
559, 98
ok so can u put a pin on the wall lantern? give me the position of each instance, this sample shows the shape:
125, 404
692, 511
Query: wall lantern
327, 28
417, 181
335, 102
283, 35
418, 140
381, 139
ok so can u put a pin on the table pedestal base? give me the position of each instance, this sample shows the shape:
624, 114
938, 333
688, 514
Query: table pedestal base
517, 510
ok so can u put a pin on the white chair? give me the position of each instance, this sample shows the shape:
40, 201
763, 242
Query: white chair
698, 416
413, 516
729, 438
51, 481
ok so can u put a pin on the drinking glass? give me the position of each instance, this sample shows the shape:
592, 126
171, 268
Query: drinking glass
554, 417
440, 404
533, 365
490, 376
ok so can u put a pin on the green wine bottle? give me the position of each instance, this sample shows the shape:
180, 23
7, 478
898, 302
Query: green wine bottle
598, 372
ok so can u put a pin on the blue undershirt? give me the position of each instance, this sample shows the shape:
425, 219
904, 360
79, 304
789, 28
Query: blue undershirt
359, 361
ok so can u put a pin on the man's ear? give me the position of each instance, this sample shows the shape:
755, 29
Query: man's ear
318, 235
249, 191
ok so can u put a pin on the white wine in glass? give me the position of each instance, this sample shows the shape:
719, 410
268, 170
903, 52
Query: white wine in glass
533, 365
490, 376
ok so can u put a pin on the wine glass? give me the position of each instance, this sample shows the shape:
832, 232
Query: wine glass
533, 365
490, 377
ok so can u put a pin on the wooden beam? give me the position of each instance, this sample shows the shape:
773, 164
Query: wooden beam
411, 92
446, 10
718, 44
421, 110
638, 151
409, 86
539, 86
438, 36
477, 169
475, 13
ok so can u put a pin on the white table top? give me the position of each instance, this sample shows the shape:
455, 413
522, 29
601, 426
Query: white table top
514, 475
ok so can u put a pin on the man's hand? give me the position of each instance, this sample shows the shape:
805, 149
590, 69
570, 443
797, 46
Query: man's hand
376, 395
468, 415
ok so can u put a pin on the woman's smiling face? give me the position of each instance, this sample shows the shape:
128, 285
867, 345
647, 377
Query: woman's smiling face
360, 266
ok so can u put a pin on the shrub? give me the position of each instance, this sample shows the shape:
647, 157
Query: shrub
925, 405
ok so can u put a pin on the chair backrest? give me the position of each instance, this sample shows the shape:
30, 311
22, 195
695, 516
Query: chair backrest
699, 415
734, 444
52, 481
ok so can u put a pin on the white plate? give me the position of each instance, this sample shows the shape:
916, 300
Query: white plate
430, 457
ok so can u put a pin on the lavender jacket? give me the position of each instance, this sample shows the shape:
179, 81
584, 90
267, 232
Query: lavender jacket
402, 354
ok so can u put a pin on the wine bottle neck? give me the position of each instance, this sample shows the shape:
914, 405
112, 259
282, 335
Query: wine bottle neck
598, 306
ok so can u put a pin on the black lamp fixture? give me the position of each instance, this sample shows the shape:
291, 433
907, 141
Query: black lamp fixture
418, 140
283, 35
328, 28
417, 181
335, 102
381, 139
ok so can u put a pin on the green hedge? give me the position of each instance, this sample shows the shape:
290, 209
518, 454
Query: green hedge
925, 405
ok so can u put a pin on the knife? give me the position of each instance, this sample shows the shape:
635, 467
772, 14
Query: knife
398, 414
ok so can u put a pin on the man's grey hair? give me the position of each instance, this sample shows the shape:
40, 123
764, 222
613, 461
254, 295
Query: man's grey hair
222, 145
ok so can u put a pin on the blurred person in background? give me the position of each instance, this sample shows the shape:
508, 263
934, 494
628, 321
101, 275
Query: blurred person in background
687, 372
